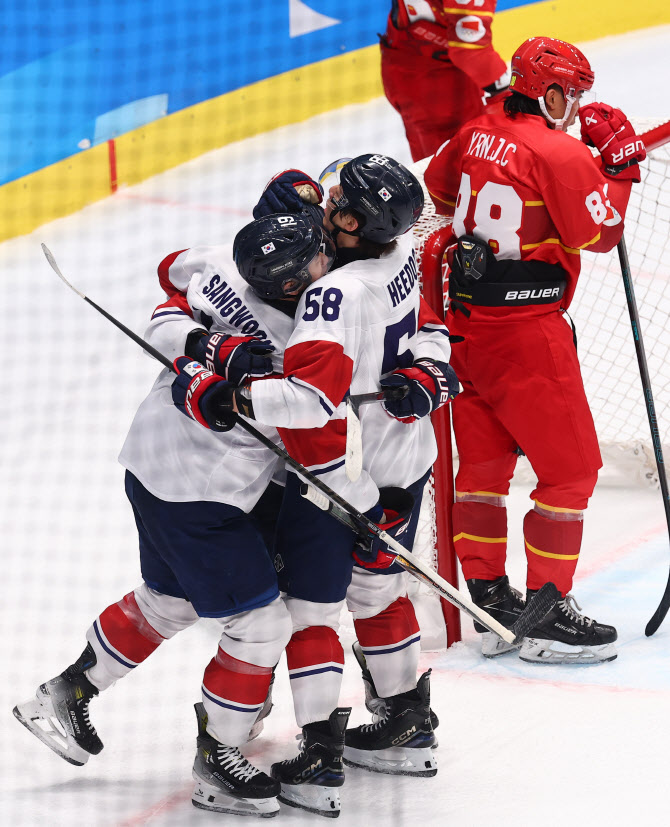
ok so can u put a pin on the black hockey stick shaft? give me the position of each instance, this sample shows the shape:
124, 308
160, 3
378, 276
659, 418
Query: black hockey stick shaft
664, 605
342, 509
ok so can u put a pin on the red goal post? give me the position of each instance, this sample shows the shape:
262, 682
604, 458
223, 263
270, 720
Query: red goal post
647, 228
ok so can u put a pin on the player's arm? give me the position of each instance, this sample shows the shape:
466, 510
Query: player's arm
442, 177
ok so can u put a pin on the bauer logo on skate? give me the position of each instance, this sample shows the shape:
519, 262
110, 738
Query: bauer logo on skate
484, 146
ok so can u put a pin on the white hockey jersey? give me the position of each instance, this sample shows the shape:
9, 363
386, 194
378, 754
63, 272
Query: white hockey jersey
173, 456
355, 325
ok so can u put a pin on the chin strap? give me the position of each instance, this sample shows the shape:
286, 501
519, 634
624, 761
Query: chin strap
558, 122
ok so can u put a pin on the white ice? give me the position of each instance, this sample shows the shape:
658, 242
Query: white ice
519, 744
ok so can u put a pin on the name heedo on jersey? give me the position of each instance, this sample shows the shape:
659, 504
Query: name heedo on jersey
402, 283
225, 300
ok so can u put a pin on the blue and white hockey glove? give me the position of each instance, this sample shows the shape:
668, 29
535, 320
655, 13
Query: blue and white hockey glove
431, 384
392, 513
288, 191
203, 396
235, 358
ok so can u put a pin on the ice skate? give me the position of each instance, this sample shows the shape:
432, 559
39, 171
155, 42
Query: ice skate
373, 703
504, 604
226, 782
566, 636
58, 715
401, 742
310, 781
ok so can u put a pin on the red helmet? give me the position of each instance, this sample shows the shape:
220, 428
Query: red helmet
541, 61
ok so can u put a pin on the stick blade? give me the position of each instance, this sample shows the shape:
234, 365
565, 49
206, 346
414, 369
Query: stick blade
52, 262
536, 610
353, 458
659, 616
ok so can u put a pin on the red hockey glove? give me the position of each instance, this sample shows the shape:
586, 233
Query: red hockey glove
235, 358
392, 513
431, 384
288, 192
203, 396
611, 133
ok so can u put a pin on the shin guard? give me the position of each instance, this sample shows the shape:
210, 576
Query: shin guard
552, 550
480, 537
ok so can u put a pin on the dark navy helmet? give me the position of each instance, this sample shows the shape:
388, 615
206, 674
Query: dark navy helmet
384, 193
273, 253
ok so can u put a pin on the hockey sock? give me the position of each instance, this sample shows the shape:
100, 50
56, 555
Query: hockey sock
315, 661
480, 537
233, 693
390, 641
121, 638
552, 550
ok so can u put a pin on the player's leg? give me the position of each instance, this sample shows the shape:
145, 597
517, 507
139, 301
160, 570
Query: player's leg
399, 741
561, 444
120, 638
313, 555
487, 459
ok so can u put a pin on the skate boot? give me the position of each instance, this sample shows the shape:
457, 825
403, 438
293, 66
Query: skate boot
310, 780
400, 743
566, 636
504, 604
226, 782
373, 703
266, 709
58, 715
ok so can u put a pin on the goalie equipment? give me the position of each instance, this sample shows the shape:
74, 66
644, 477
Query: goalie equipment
226, 782
401, 742
386, 197
501, 601
58, 715
567, 636
310, 780
273, 254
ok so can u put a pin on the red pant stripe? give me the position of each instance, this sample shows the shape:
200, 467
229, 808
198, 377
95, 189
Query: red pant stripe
128, 631
235, 680
314, 646
395, 624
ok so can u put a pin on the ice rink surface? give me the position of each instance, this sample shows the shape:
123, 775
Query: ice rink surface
520, 744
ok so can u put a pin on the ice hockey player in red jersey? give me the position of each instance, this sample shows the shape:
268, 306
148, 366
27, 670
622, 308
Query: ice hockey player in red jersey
526, 198
438, 65
368, 322
195, 495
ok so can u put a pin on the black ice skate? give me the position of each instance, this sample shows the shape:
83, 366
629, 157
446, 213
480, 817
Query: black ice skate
504, 604
58, 715
226, 782
399, 744
310, 780
373, 703
566, 636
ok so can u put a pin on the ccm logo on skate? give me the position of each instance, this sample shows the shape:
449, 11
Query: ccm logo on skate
307, 773
405, 736
520, 295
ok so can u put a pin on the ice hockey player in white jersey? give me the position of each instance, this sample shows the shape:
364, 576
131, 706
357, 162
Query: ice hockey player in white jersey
202, 554
363, 321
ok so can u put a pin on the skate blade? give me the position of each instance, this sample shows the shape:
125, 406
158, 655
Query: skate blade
323, 801
39, 717
494, 646
207, 797
535, 650
395, 761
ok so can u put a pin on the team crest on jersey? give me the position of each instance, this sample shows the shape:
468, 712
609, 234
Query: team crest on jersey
268, 248
385, 194
470, 29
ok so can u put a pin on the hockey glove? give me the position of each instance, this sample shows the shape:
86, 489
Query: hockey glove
391, 513
203, 396
288, 192
612, 134
431, 384
235, 358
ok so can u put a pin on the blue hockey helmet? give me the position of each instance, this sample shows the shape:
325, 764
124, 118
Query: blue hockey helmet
273, 253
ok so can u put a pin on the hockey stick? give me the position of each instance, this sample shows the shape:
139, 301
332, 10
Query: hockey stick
353, 457
664, 605
541, 604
